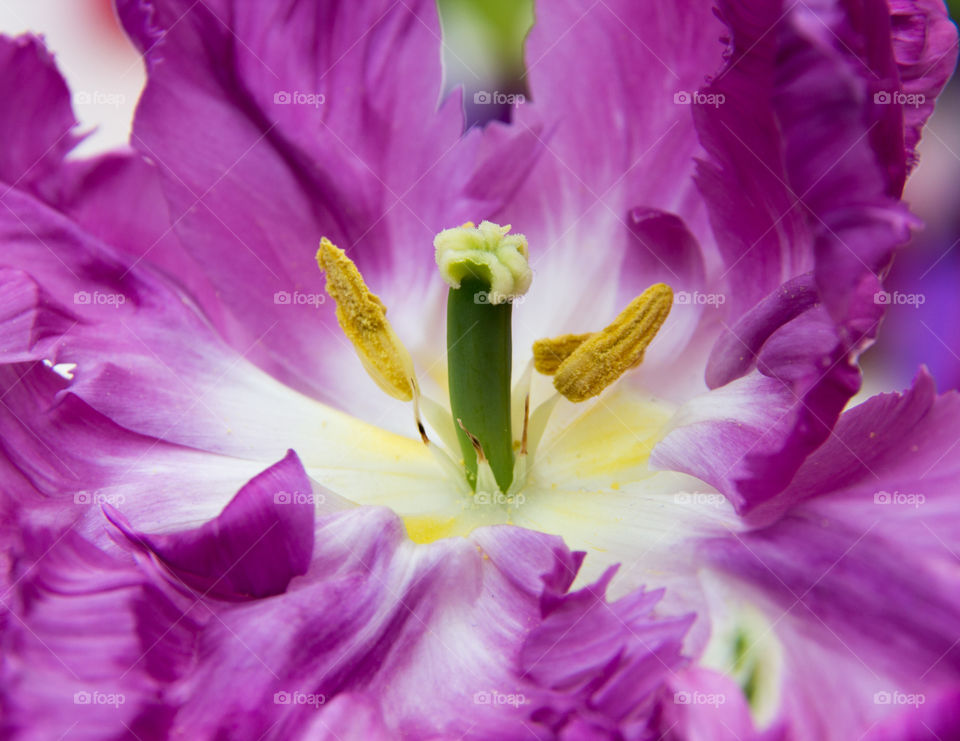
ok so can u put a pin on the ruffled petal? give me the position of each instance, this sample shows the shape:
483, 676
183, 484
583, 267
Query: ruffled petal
801, 178
66, 460
925, 50
748, 437
253, 549
116, 375
39, 129
859, 564
441, 640
72, 651
30, 323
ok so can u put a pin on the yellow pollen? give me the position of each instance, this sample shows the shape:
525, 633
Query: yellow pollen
605, 356
550, 352
363, 318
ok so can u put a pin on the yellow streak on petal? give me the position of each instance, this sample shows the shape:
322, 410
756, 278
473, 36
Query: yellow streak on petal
550, 352
363, 318
608, 354
425, 529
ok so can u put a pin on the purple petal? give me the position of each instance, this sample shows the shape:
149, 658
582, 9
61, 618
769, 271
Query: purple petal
38, 129
255, 177
701, 703
937, 717
605, 662
925, 49
258, 544
615, 180
425, 641
802, 179
736, 351
870, 532
30, 323
71, 645
88, 192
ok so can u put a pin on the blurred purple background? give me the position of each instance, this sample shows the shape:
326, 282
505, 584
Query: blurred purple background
929, 268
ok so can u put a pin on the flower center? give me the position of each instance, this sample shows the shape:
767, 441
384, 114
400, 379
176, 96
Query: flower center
487, 268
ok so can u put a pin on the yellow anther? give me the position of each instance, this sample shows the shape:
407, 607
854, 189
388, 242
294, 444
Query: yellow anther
549, 353
363, 318
605, 356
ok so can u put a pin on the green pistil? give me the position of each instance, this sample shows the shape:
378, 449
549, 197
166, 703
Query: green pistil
479, 350
486, 269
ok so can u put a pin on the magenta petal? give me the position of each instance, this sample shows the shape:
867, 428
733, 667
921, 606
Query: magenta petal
936, 717
88, 192
348, 716
30, 322
36, 120
859, 565
663, 250
636, 147
604, 661
72, 652
736, 350
896, 436
925, 49
701, 702
801, 181
261, 540
420, 641
255, 176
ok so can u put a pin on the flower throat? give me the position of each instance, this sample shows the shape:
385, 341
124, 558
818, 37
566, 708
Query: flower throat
487, 269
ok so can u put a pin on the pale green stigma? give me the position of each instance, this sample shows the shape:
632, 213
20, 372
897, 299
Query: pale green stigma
487, 253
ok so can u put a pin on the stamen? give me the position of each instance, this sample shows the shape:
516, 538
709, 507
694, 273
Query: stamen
363, 318
549, 353
477, 447
605, 356
526, 424
416, 412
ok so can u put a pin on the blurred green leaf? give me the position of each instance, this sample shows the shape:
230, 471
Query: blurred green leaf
484, 41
